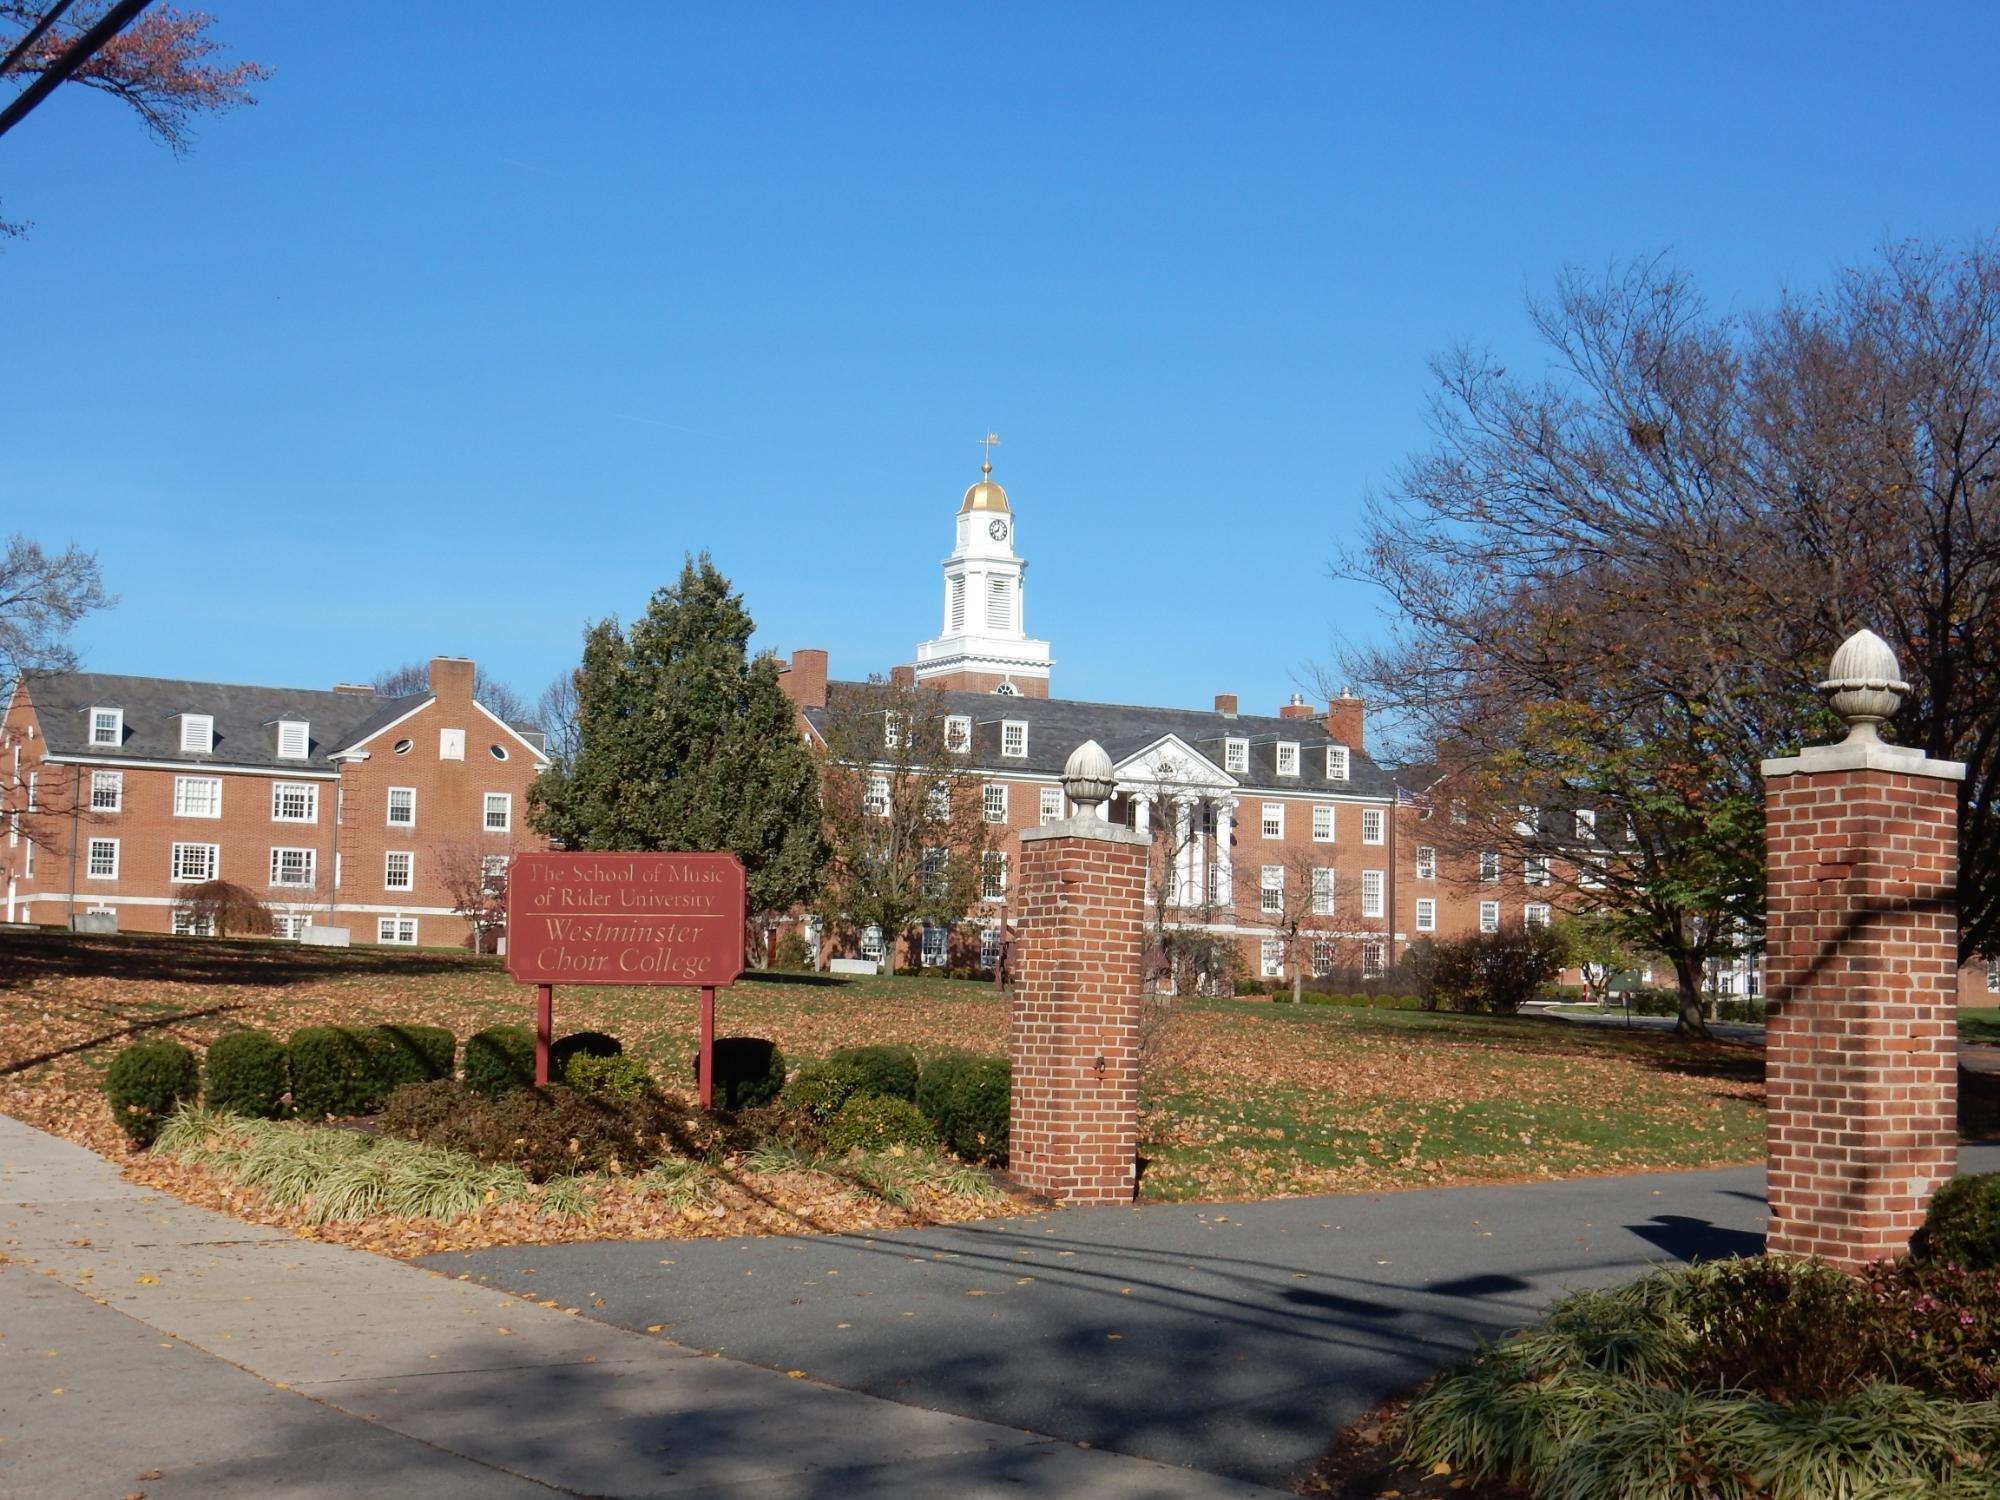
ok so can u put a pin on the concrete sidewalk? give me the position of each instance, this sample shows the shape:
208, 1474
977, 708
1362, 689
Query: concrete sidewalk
149, 1347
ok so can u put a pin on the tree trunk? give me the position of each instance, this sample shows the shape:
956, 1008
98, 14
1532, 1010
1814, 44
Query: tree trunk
1298, 984
1687, 979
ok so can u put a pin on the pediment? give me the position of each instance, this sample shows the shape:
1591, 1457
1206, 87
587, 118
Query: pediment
1171, 761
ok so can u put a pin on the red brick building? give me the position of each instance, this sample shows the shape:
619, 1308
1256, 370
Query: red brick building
336, 808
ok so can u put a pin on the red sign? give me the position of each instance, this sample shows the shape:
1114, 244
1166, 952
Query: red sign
625, 918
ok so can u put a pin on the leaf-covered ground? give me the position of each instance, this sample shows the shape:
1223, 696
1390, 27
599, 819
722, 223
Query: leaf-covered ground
1251, 1099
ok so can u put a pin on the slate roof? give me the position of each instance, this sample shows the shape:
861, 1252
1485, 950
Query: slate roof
1057, 726
245, 718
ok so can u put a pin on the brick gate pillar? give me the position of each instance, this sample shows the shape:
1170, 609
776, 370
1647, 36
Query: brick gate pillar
1861, 942
1080, 899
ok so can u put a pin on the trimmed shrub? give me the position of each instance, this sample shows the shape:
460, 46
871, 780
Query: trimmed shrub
411, 1054
749, 1071
885, 1070
581, 1044
792, 952
616, 1074
146, 1083
967, 1098
869, 1122
551, 1132
500, 1060
1247, 989
821, 1088
246, 1073
1963, 1224
335, 1071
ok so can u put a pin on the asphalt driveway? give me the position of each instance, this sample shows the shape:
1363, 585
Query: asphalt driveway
1235, 1338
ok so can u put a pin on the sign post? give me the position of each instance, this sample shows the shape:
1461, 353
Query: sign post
639, 919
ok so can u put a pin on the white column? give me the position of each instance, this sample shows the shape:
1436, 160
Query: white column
1225, 862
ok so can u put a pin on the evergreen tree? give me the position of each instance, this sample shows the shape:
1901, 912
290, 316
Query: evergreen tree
687, 743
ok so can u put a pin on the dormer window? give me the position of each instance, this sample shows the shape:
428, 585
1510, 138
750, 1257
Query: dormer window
1236, 756
294, 735
1336, 762
197, 733
107, 728
958, 732
1014, 737
892, 731
1288, 758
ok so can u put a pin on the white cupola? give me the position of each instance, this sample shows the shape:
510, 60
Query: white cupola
982, 644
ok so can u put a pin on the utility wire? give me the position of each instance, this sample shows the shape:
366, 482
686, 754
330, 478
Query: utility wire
80, 51
35, 32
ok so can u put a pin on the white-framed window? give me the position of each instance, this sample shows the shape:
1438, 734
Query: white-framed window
990, 939
1336, 762
1529, 822
1460, 814
992, 875
101, 862
1489, 916
294, 802
497, 750
1272, 824
107, 791
1373, 821
993, 802
187, 924
1322, 891
33, 799
937, 801
1271, 958
28, 863
1235, 756
875, 800
294, 739
1489, 865
1325, 953
1052, 804
1993, 976
194, 863
1215, 884
401, 931
197, 796
1590, 874
892, 731
936, 936
1371, 893
933, 867
1271, 889
492, 874
1288, 758
958, 732
1374, 960
1586, 825
1014, 738
1427, 914
1427, 862
399, 870
1323, 824
499, 812
107, 727
1535, 914
1535, 869
197, 733
402, 807
336, 869
871, 942
451, 744
292, 867
290, 924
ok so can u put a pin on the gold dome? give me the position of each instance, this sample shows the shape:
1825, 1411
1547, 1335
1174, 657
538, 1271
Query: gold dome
985, 495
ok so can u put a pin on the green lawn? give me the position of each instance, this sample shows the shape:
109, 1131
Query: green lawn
1979, 1023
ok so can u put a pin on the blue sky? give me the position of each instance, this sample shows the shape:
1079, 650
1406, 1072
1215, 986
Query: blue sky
481, 318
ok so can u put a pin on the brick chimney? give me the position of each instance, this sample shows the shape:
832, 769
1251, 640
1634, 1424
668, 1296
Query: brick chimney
1225, 704
355, 689
451, 679
804, 678
1298, 708
903, 676
1344, 716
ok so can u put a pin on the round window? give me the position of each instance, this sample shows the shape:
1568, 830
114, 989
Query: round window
499, 751
402, 747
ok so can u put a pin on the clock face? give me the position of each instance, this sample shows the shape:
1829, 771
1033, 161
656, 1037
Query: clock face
997, 529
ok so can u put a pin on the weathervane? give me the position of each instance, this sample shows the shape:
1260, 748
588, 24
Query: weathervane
988, 444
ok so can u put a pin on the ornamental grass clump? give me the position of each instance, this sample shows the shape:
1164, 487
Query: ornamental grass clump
1744, 1380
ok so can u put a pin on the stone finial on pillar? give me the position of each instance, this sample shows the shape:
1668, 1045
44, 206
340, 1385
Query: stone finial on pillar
1088, 780
1861, 941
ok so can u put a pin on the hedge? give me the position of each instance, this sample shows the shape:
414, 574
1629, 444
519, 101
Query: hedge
581, 1044
500, 1060
888, 1071
869, 1122
968, 1099
749, 1071
146, 1083
247, 1073
335, 1070
411, 1054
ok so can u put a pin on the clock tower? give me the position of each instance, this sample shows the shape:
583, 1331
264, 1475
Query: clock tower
984, 646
